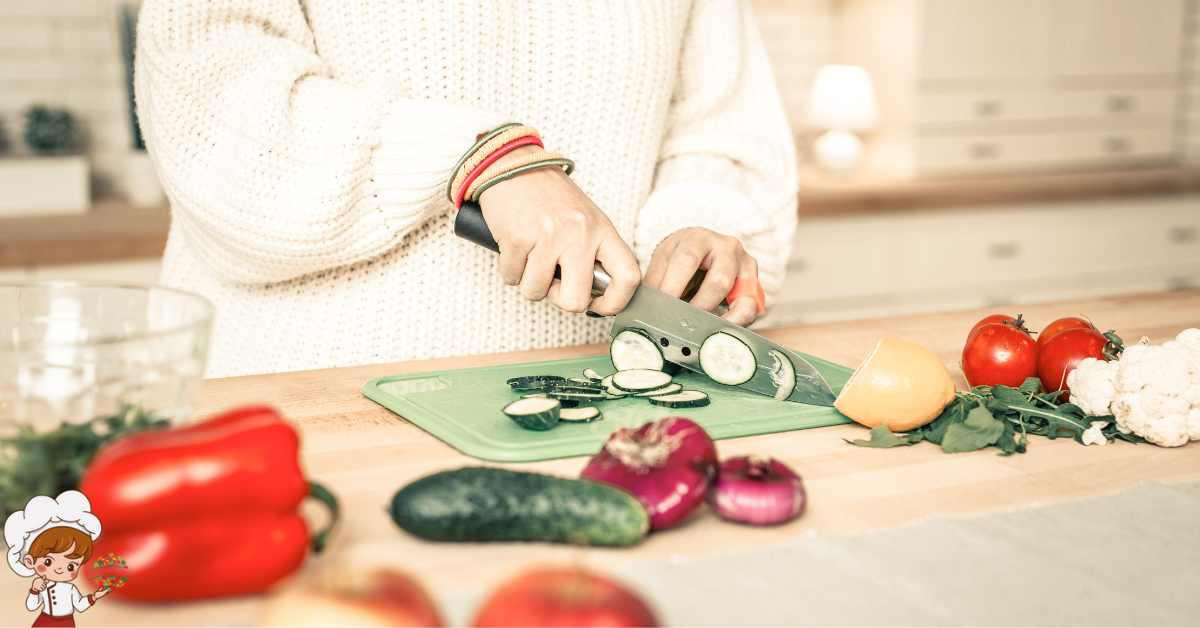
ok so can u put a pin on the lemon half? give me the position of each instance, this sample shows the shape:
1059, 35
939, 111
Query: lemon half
901, 385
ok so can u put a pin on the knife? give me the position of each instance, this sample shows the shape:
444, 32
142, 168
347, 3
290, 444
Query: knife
680, 328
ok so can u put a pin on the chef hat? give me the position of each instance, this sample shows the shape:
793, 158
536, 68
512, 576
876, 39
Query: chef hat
71, 510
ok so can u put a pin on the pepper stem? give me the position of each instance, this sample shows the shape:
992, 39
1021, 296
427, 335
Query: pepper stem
322, 494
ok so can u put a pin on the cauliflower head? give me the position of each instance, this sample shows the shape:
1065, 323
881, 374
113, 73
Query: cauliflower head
1093, 386
1158, 390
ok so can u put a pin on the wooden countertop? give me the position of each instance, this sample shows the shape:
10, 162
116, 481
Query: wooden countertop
364, 454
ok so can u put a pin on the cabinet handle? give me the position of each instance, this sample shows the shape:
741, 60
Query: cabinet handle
987, 107
1004, 250
1180, 234
1117, 145
1119, 103
983, 150
796, 265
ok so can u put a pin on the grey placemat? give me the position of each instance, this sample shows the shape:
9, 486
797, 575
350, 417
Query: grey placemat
1127, 559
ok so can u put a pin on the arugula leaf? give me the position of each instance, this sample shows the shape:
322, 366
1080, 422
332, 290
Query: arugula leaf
979, 430
882, 437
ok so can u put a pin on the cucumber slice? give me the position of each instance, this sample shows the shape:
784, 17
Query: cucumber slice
666, 390
536, 413
685, 399
542, 395
727, 360
579, 382
577, 396
534, 382
586, 414
640, 380
592, 375
634, 349
783, 373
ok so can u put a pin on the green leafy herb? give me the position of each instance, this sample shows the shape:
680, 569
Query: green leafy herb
1002, 417
47, 464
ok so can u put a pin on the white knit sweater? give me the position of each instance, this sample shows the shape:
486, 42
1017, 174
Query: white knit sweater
305, 148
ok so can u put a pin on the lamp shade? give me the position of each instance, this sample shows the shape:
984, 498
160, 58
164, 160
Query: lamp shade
843, 98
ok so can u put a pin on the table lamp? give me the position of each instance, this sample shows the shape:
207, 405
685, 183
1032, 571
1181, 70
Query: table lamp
842, 100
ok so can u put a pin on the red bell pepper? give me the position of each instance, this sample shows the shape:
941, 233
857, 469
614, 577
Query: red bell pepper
205, 510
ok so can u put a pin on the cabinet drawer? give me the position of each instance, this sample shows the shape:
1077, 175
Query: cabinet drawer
936, 108
1112, 102
834, 258
984, 153
1117, 146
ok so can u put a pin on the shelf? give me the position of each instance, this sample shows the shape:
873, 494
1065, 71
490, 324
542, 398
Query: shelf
110, 230
823, 195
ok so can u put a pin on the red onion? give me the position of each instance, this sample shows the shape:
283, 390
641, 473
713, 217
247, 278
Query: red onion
757, 490
668, 464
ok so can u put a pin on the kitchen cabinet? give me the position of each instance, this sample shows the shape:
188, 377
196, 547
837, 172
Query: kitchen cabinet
905, 263
985, 86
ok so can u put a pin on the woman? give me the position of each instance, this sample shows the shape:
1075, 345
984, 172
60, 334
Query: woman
306, 148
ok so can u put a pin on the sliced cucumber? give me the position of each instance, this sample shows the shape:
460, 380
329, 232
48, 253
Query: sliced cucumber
640, 380
586, 414
576, 396
727, 360
685, 399
534, 413
582, 383
783, 373
635, 349
542, 395
665, 390
534, 382
592, 375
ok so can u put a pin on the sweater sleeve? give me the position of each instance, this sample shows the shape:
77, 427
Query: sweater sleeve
274, 168
727, 161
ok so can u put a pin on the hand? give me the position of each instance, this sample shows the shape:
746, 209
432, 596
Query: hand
678, 257
39, 584
101, 593
541, 219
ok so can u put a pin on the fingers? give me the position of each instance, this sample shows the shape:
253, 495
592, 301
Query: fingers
722, 271
622, 266
574, 292
683, 263
742, 311
538, 274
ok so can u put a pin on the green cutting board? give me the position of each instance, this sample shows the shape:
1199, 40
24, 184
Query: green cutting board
463, 408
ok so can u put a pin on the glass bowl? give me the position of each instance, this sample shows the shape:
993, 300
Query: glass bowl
73, 353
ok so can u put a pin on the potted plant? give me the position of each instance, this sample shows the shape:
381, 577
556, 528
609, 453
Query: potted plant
50, 180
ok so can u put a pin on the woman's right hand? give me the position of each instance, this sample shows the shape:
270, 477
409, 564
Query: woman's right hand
541, 219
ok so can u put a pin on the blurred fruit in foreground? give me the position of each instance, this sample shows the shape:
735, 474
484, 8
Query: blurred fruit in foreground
378, 598
564, 597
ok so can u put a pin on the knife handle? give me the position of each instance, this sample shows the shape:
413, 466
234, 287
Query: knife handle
470, 226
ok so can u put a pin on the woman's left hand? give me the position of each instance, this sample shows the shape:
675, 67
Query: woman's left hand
678, 257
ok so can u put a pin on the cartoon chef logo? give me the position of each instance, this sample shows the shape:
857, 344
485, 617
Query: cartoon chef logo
49, 541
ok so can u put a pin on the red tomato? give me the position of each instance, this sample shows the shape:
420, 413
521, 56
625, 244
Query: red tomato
999, 355
564, 597
1063, 353
994, 318
1070, 322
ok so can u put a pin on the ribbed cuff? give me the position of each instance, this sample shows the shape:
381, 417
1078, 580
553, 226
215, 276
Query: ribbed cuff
715, 207
420, 141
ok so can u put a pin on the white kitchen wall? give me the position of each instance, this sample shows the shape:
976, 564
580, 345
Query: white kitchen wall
800, 37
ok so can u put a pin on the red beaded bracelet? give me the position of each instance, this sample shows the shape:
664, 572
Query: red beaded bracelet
491, 159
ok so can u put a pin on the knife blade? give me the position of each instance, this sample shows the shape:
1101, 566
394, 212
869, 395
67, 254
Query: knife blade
681, 328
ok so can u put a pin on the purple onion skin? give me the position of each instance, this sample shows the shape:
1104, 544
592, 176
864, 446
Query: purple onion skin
672, 490
758, 491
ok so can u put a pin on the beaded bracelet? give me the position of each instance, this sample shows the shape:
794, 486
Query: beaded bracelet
488, 161
483, 139
488, 148
508, 174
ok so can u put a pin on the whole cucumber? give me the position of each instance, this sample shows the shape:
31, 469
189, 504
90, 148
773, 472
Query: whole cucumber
483, 504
